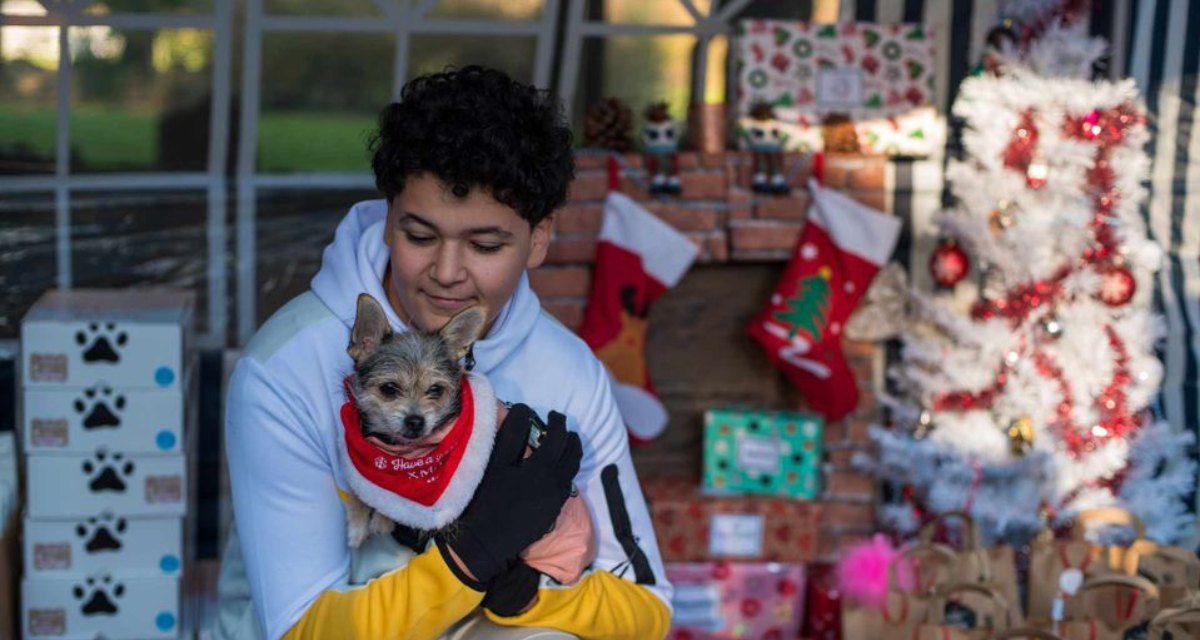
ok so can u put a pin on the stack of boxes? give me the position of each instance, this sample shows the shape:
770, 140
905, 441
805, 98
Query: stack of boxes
736, 546
105, 375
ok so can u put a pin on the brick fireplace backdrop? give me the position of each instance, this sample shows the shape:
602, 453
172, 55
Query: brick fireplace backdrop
698, 353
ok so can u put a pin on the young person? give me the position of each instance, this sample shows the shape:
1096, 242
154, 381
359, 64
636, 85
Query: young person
472, 166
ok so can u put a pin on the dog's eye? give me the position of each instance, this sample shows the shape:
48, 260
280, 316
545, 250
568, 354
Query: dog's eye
435, 391
389, 389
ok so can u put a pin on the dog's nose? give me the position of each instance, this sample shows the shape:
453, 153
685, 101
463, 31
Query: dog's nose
413, 423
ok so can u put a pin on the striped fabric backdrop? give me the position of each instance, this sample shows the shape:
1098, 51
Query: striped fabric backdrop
1157, 42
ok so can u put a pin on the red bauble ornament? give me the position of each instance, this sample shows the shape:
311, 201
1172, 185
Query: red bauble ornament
1117, 286
949, 264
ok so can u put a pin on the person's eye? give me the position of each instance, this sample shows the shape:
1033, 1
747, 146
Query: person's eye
435, 391
417, 238
487, 248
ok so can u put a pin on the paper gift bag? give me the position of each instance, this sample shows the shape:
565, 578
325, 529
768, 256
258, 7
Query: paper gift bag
1111, 607
903, 611
1174, 570
995, 567
1077, 559
965, 611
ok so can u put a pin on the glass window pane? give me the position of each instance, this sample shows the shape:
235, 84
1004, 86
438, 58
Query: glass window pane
28, 99
513, 55
140, 99
317, 109
638, 70
22, 8
667, 12
123, 239
27, 264
516, 10
105, 7
322, 8
293, 228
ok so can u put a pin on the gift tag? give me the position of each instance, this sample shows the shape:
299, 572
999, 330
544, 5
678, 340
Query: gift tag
736, 535
1070, 580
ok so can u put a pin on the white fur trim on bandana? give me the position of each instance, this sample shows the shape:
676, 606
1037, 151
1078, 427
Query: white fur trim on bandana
461, 487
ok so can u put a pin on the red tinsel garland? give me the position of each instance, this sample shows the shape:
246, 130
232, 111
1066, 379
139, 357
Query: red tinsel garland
1107, 128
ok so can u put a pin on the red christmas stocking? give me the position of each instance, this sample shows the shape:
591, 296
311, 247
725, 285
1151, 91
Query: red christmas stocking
840, 250
638, 257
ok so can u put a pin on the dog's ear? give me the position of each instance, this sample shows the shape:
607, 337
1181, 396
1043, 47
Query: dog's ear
464, 329
371, 328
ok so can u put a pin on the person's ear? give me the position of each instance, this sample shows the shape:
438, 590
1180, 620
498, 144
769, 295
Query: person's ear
539, 242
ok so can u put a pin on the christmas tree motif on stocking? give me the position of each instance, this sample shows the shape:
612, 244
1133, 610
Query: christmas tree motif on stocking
638, 257
808, 309
840, 250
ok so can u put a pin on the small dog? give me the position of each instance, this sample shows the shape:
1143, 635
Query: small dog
408, 391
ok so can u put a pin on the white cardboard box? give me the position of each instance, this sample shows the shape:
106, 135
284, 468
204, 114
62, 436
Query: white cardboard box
115, 608
127, 338
105, 543
81, 421
76, 485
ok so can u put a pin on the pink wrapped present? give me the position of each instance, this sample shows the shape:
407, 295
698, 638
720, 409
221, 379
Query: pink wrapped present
736, 600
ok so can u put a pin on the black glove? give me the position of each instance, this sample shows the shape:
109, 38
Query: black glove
512, 591
517, 500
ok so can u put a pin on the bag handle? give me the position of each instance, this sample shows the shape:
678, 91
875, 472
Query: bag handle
929, 529
1025, 632
1173, 620
1121, 580
1107, 515
939, 553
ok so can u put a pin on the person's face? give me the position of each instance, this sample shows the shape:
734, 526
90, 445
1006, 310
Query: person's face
448, 253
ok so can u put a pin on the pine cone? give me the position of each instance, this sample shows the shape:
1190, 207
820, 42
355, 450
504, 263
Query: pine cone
609, 125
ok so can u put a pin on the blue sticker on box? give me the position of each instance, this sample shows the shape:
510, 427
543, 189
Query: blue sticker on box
169, 564
165, 621
164, 376
165, 440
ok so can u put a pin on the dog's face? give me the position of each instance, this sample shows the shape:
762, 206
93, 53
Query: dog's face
408, 386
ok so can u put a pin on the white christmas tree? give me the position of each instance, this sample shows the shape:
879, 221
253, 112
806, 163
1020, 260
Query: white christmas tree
1025, 379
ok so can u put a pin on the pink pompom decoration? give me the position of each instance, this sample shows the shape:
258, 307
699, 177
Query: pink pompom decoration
862, 571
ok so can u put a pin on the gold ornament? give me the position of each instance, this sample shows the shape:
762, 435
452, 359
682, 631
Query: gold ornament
1020, 435
1001, 218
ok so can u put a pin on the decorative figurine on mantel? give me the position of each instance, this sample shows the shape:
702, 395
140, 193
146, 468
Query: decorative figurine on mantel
766, 141
660, 143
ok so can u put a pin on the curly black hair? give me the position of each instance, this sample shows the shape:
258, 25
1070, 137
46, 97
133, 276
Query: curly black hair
477, 128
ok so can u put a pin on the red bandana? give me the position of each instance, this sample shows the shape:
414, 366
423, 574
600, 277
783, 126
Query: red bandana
421, 479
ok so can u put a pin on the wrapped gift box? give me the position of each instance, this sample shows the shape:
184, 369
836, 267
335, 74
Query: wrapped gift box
881, 76
764, 452
693, 527
744, 600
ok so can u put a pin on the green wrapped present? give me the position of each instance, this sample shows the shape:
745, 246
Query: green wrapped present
765, 452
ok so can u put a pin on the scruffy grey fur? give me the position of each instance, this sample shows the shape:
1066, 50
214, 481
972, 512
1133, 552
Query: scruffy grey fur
406, 386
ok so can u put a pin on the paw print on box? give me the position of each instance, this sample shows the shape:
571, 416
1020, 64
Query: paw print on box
100, 408
99, 596
108, 472
103, 533
101, 342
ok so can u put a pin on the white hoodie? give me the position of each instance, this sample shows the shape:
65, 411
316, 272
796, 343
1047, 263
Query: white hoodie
282, 426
